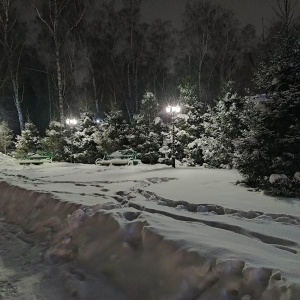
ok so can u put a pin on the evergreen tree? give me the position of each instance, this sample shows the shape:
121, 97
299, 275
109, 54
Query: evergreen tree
221, 127
85, 146
252, 151
70, 141
145, 135
190, 123
5, 137
113, 133
28, 141
149, 106
53, 141
274, 133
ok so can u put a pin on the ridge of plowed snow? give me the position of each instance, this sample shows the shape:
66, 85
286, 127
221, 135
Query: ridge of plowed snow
190, 233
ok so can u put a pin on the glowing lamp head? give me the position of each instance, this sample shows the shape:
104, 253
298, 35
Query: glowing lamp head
173, 109
71, 121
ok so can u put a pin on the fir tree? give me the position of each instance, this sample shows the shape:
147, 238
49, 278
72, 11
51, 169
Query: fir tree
113, 133
70, 141
190, 123
53, 141
85, 146
6, 137
222, 126
274, 127
145, 137
28, 141
187, 127
252, 150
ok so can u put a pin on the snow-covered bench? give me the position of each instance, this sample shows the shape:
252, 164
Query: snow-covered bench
36, 159
119, 158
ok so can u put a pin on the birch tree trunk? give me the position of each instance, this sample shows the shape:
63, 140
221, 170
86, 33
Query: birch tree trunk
13, 48
60, 87
18, 103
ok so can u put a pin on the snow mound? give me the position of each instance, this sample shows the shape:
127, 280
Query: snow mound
138, 251
6, 160
297, 176
278, 178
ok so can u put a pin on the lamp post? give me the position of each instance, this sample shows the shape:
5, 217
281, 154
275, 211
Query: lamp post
72, 123
172, 110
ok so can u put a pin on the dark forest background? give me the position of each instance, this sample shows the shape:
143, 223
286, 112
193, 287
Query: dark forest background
98, 62
61, 57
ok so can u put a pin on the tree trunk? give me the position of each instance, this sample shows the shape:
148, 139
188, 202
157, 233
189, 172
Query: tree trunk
199, 81
128, 82
59, 84
18, 104
95, 94
136, 89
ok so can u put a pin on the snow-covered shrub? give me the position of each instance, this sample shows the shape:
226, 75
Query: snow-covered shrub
281, 185
297, 176
195, 153
278, 178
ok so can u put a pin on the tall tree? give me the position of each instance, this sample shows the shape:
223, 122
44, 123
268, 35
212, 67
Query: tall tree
60, 18
161, 46
210, 46
135, 34
12, 38
101, 27
199, 22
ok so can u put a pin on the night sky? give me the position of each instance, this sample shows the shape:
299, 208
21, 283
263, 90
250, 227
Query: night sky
247, 11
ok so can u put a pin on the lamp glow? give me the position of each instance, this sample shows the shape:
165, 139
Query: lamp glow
71, 122
173, 109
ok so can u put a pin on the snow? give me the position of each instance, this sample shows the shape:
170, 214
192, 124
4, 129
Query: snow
157, 120
262, 103
278, 178
194, 224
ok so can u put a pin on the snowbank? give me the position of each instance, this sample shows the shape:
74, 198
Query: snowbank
8, 161
137, 251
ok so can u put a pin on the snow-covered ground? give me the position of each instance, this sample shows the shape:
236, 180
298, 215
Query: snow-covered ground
207, 237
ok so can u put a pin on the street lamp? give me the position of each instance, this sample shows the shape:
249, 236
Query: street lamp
172, 110
72, 123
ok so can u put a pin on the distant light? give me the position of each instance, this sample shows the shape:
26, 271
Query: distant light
98, 121
71, 122
173, 109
